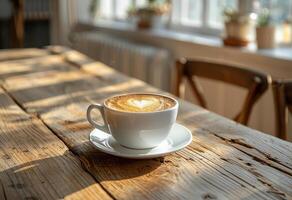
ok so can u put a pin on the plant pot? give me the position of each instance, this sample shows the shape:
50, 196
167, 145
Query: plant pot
144, 24
154, 21
145, 21
265, 37
238, 31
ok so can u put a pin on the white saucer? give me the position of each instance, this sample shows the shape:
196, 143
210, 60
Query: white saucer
178, 138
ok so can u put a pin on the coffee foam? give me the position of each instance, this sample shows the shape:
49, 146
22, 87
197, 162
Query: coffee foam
140, 103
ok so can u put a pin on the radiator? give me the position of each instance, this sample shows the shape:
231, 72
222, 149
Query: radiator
36, 9
150, 64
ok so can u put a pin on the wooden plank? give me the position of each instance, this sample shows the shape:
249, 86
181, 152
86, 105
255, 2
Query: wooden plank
13, 54
35, 164
42, 64
225, 160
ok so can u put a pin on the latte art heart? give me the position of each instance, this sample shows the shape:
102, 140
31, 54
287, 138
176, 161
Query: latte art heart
140, 103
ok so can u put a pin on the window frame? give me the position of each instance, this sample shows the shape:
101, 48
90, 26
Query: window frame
203, 27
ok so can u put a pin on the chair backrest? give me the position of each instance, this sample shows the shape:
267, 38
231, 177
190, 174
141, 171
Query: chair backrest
255, 82
283, 99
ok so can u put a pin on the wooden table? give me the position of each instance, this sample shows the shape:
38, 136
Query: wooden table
45, 152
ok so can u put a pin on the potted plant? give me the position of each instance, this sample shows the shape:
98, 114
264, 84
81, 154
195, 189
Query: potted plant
150, 13
238, 28
265, 31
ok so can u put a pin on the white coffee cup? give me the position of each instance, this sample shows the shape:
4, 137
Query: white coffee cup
138, 130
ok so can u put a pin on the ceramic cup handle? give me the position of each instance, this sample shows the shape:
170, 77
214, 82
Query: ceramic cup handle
92, 122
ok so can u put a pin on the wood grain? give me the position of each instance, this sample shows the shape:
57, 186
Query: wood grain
35, 164
225, 160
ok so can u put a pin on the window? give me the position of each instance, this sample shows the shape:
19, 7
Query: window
121, 8
280, 9
117, 9
106, 9
204, 16
139, 3
187, 12
191, 12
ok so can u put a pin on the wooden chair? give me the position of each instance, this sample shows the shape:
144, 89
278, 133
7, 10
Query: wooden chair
256, 82
283, 99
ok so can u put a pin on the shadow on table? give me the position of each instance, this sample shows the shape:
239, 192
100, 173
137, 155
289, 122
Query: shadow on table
49, 178
106, 167
60, 94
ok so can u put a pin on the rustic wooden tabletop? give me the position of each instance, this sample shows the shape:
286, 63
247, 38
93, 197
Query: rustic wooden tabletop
45, 152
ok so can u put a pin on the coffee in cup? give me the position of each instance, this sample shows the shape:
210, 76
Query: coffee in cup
137, 121
140, 103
